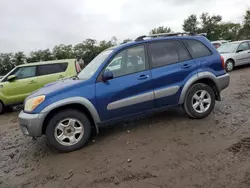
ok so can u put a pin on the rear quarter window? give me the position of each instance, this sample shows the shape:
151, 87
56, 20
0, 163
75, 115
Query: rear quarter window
52, 68
196, 48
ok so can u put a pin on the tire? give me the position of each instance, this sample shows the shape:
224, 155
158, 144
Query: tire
194, 101
67, 140
229, 65
1, 108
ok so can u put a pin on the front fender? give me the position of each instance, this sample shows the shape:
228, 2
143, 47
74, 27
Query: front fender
74, 100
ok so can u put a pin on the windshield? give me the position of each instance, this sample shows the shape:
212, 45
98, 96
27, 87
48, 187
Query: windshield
228, 48
91, 68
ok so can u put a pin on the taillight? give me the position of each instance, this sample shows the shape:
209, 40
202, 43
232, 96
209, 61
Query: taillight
222, 62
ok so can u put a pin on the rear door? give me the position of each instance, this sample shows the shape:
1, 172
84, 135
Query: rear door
242, 55
51, 72
171, 65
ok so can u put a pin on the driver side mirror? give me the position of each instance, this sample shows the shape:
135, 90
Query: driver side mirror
11, 78
107, 75
239, 51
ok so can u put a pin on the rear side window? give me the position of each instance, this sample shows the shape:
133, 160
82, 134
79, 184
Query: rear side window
167, 52
216, 45
196, 48
52, 68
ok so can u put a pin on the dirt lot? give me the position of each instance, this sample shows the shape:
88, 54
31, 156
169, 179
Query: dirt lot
165, 150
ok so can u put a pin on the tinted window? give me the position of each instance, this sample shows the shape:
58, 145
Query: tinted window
165, 53
243, 46
25, 72
128, 61
216, 45
52, 68
196, 48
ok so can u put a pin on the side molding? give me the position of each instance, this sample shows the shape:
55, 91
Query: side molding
131, 101
164, 92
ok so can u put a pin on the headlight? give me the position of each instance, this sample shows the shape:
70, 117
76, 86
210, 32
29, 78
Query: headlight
32, 103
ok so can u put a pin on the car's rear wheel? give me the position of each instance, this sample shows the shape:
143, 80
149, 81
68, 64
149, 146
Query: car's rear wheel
1, 107
68, 130
199, 101
229, 65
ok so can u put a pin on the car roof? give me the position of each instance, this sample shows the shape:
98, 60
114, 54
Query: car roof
154, 39
240, 41
46, 62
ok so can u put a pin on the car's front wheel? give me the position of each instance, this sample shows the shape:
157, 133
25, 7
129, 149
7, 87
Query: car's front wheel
199, 101
1, 107
68, 130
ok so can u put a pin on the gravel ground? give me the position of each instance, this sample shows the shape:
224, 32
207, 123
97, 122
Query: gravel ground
165, 150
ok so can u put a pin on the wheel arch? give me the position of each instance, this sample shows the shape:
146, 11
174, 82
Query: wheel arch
202, 77
79, 103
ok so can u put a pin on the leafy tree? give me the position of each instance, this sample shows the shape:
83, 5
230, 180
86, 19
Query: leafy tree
19, 58
126, 40
6, 62
210, 25
229, 31
245, 31
63, 52
161, 29
191, 24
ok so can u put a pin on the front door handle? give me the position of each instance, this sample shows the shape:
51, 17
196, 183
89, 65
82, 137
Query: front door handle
186, 66
61, 76
143, 77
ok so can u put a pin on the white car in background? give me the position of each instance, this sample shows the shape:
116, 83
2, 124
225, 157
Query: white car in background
218, 43
235, 54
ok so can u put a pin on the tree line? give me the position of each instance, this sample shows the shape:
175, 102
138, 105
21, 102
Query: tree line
213, 25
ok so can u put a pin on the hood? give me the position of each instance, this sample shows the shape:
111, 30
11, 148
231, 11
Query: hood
54, 87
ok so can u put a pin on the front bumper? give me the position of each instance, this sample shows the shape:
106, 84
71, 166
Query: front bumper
31, 124
223, 82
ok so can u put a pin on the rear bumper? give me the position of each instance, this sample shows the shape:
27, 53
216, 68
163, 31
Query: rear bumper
223, 82
31, 124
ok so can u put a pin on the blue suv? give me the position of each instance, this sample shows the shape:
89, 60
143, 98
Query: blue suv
133, 79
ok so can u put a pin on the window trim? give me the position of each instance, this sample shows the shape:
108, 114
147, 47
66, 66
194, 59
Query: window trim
11, 73
51, 64
167, 40
211, 52
99, 77
248, 43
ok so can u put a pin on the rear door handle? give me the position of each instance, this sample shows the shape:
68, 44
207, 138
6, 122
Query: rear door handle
143, 77
185, 66
32, 81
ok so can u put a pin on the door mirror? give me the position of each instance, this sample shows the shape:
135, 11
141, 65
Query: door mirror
11, 78
107, 75
239, 51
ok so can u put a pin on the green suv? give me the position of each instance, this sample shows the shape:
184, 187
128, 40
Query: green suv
24, 79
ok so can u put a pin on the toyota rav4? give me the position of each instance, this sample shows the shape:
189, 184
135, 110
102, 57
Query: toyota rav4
148, 75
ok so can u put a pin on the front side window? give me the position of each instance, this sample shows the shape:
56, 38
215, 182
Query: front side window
52, 68
128, 61
228, 48
167, 52
243, 46
196, 48
25, 72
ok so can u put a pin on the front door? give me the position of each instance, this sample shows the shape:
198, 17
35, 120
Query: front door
25, 83
242, 55
130, 91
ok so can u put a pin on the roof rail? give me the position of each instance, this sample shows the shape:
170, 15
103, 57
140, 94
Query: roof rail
140, 38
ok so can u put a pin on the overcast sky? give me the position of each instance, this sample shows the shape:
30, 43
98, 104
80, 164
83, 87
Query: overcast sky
27, 25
